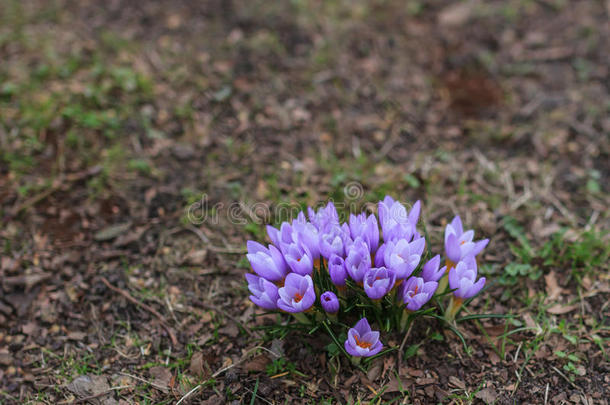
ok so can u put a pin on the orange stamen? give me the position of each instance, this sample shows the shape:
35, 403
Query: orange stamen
297, 297
364, 345
449, 265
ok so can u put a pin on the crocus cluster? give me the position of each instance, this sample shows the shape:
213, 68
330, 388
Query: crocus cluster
318, 266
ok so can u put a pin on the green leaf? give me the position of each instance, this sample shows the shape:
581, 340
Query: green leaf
411, 350
482, 316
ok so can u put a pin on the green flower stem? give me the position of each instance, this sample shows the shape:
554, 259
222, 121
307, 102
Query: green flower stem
454, 306
405, 320
442, 284
301, 317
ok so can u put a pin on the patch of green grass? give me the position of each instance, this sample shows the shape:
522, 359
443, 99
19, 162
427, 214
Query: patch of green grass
282, 365
465, 395
583, 255
139, 165
73, 104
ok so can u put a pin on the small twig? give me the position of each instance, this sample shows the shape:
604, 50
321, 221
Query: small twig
188, 394
546, 394
402, 345
567, 379
153, 311
219, 372
258, 396
99, 394
171, 309
135, 377
517, 352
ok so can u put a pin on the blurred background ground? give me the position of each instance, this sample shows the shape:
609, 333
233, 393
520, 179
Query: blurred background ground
117, 116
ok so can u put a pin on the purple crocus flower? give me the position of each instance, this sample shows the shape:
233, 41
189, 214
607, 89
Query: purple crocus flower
459, 244
362, 341
336, 269
395, 221
378, 281
274, 234
332, 241
329, 302
264, 293
403, 256
286, 235
415, 292
298, 258
431, 272
379, 256
358, 260
297, 294
462, 279
305, 234
268, 263
325, 216
366, 228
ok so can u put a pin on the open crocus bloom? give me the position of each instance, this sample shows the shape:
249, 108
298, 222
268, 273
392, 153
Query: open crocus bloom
297, 294
325, 216
366, 228
378, 281
462, 279
264, 293
459, 244
329, 302
307, 235
267, 263
362, 341
403, 256
415, 292
395, 221
332, 241
298, 258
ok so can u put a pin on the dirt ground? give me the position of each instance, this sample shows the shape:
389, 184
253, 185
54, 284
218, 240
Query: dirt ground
140, 143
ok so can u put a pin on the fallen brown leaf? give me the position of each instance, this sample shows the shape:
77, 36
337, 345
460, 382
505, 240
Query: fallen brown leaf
559, 309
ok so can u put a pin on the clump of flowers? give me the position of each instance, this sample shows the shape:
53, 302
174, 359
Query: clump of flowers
369, 268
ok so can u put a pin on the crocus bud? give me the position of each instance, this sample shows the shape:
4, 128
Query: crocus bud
431, 272
264, 293
267, 263
329, 302
358, 260
336, 269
